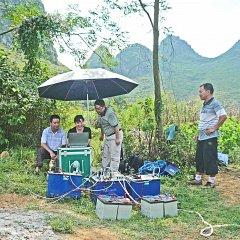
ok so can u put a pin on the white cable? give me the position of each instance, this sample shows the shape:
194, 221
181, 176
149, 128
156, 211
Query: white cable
138, 183
58, 198
124, 187
97, 190
62, 196
40, 196
142, 180
126, 191
133, 188
208, 231
65, 194
77, 187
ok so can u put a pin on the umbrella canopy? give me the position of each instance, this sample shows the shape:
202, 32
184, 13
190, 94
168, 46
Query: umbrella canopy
84, 84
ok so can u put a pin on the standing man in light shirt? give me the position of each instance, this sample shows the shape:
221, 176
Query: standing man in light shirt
52, 138
212, 117
111, 129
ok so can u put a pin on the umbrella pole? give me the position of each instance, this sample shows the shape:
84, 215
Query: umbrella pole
88, 111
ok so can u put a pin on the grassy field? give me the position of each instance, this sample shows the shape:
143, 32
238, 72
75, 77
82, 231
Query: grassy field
74, 219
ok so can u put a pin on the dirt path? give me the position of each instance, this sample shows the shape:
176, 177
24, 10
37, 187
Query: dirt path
229, 185
91, 234
29, 222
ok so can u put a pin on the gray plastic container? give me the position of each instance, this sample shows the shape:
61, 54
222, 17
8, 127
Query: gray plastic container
118, 209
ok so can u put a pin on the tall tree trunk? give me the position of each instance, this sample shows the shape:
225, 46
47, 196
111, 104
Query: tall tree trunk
158, 98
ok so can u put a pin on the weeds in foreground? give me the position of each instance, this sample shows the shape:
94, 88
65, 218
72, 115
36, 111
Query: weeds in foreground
16, 176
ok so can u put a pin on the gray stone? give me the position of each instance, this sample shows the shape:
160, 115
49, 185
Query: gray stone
21, 225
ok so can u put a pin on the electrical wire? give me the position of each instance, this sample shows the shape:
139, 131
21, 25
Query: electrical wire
98, 190
65, 194
58, 198
126, 191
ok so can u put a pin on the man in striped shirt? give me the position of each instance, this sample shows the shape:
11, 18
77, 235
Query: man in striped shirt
212, 116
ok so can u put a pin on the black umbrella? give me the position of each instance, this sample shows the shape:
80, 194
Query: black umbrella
86, 84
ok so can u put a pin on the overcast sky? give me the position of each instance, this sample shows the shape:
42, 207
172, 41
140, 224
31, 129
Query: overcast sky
209, 26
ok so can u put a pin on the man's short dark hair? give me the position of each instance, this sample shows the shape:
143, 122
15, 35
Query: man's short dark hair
100, 102
53, 117
78, 118
208, 86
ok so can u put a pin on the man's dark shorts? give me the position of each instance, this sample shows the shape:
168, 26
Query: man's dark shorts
207, 157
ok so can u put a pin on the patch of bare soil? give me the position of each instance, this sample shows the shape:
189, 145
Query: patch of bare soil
228, 185
15, 200
90, 234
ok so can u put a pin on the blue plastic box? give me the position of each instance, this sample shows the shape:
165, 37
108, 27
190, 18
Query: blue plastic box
60, 184
112, 187
223, 158
170, 169
143, 185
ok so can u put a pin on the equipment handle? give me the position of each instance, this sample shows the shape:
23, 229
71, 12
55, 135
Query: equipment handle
85, 153
82, 166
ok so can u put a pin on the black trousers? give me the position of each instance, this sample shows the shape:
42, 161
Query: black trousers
207, 157
42, 154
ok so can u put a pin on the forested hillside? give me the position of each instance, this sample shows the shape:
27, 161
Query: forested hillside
182, 69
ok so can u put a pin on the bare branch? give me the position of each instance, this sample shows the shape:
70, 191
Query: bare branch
9, 30
90, 47
68, 46
144, 9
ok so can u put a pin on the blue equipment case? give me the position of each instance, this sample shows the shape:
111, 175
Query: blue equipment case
143, 185
60, 184
110, 187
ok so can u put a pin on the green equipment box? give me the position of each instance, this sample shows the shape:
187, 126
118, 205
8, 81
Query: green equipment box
75, 160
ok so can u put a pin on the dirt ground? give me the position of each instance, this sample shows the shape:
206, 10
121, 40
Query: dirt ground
228, 182
90, 234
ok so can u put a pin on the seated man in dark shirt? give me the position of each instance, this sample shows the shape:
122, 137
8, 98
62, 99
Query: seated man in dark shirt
79, 127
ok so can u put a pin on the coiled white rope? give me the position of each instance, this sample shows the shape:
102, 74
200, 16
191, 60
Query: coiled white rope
208, 231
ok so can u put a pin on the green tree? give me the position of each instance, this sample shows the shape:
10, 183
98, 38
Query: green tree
74, 33
20, 108
159, 6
